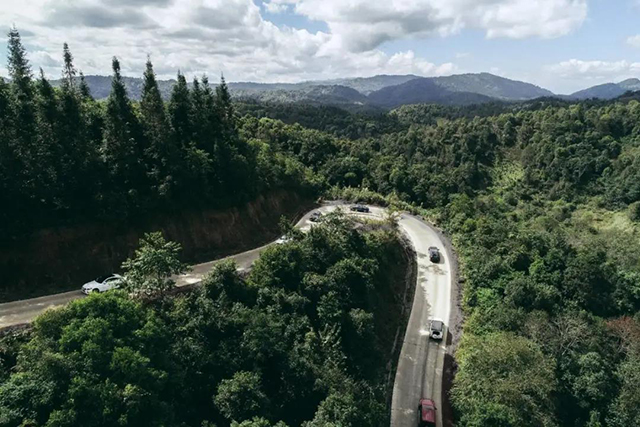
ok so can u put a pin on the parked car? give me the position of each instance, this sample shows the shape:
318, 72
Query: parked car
102, 284
316, 217
434, 254
436, 329
426, 413
360, 208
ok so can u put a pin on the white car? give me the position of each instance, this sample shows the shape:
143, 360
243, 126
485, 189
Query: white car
436, 329
102, 284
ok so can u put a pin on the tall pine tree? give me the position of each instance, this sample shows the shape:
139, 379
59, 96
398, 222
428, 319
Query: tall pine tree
22, 88
232, 153
122, 149
50, 153
84, 88
10, 196
18, 66
180, 112
195, 163
223, 104
161, 155
80, 154
69, 71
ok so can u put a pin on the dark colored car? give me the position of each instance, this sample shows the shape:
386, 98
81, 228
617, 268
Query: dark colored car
434, 254
316, 217
426, 413
360, 208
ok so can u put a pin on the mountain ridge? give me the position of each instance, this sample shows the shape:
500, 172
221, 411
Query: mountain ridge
607, 90
384, 90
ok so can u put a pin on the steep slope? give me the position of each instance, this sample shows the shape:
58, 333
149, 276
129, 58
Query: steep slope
492, 86
424, 90
608, 90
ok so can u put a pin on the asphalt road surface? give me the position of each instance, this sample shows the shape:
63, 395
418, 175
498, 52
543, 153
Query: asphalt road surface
420, 366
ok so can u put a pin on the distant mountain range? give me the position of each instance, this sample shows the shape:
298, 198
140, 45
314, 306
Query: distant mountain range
384, 91
424, 91
608, 90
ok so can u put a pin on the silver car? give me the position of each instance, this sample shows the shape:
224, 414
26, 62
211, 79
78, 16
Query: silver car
436, 329
102, 284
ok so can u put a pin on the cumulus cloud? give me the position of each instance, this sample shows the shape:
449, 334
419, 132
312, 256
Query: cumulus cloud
232, 36
45, 59
279, 6
96, 16
196, 37
576, 74
595, 70
360, 25
408, 63
634, 40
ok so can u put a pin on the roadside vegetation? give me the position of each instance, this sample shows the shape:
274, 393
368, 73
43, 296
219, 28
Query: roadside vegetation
304, 339
542, 201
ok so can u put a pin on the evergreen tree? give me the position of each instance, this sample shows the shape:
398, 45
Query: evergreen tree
224, 106
122, 148
69, 71
180, 112
232, 153
22, 85
159, 153
18, 66
198, 114
49, 152
9, 160
79, 154
84, 88
209, 119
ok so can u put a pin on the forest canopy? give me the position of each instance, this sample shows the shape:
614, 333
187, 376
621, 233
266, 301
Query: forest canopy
542, 202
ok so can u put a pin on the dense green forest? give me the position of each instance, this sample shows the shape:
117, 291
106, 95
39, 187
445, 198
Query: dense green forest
542, 201
544, 207
66, 158
304, 339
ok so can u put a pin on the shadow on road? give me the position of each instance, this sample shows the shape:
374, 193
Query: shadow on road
448, 373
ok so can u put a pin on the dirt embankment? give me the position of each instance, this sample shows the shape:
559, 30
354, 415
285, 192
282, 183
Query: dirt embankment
58, 259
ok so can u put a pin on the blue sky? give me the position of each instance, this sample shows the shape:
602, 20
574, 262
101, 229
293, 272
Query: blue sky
563, 45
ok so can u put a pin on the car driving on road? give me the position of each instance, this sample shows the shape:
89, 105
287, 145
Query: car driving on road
434, 254
426, 413
360, 208
436, 329
102, 284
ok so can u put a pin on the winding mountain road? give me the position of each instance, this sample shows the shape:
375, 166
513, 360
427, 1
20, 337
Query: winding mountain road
420, 366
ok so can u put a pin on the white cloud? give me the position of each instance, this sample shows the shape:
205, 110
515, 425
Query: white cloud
576, 74
278, 6
595, 70
196, 37
210, 36
407, 63
634, 41
360, 25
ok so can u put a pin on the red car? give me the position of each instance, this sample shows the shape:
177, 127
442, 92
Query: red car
426, 413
